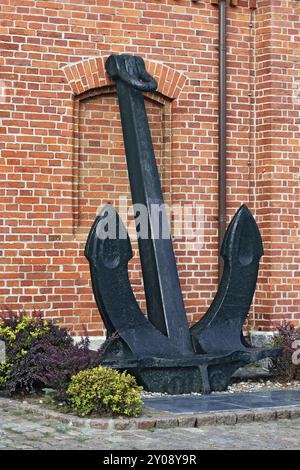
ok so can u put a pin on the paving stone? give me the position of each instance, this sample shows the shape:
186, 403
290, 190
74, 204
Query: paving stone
245, 416
295, 413
120, 425
98, 424
283, 413
145, 423
165, 423
226, 418
186, 421
264, 415
205, 419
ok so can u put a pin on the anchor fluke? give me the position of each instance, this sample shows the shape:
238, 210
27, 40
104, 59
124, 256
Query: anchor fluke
221, 326
108, 250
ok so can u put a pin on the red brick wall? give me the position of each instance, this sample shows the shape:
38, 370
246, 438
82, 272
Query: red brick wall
54, 175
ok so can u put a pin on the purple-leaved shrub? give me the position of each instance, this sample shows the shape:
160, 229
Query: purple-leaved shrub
287, 338
40, 354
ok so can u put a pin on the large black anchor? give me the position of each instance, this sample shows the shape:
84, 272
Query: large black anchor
160, 350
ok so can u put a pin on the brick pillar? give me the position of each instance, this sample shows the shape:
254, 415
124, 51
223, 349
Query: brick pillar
277, 73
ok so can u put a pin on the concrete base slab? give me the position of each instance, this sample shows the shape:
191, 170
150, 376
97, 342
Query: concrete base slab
224, 402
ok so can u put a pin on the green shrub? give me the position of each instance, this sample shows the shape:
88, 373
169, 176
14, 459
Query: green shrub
19, 332
105, 390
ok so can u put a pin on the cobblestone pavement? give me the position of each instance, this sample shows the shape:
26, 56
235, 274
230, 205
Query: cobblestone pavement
20, 430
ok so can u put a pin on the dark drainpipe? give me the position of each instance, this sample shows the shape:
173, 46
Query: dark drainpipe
222, 124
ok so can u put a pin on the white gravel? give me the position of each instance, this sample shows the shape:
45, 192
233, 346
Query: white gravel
262, 385
245, 386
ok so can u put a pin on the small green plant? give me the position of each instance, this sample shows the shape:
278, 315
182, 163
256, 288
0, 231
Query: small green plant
4, 373
104, 390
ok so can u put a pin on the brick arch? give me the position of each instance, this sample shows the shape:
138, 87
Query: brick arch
90, 74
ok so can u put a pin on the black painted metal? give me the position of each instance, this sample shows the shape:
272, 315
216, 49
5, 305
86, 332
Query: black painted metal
165, 306
222, 324
120, 311
179, 361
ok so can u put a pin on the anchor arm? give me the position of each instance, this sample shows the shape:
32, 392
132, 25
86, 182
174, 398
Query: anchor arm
220, 329
108, 258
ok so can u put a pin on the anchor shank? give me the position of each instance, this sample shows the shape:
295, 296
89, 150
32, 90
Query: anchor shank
163, 294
